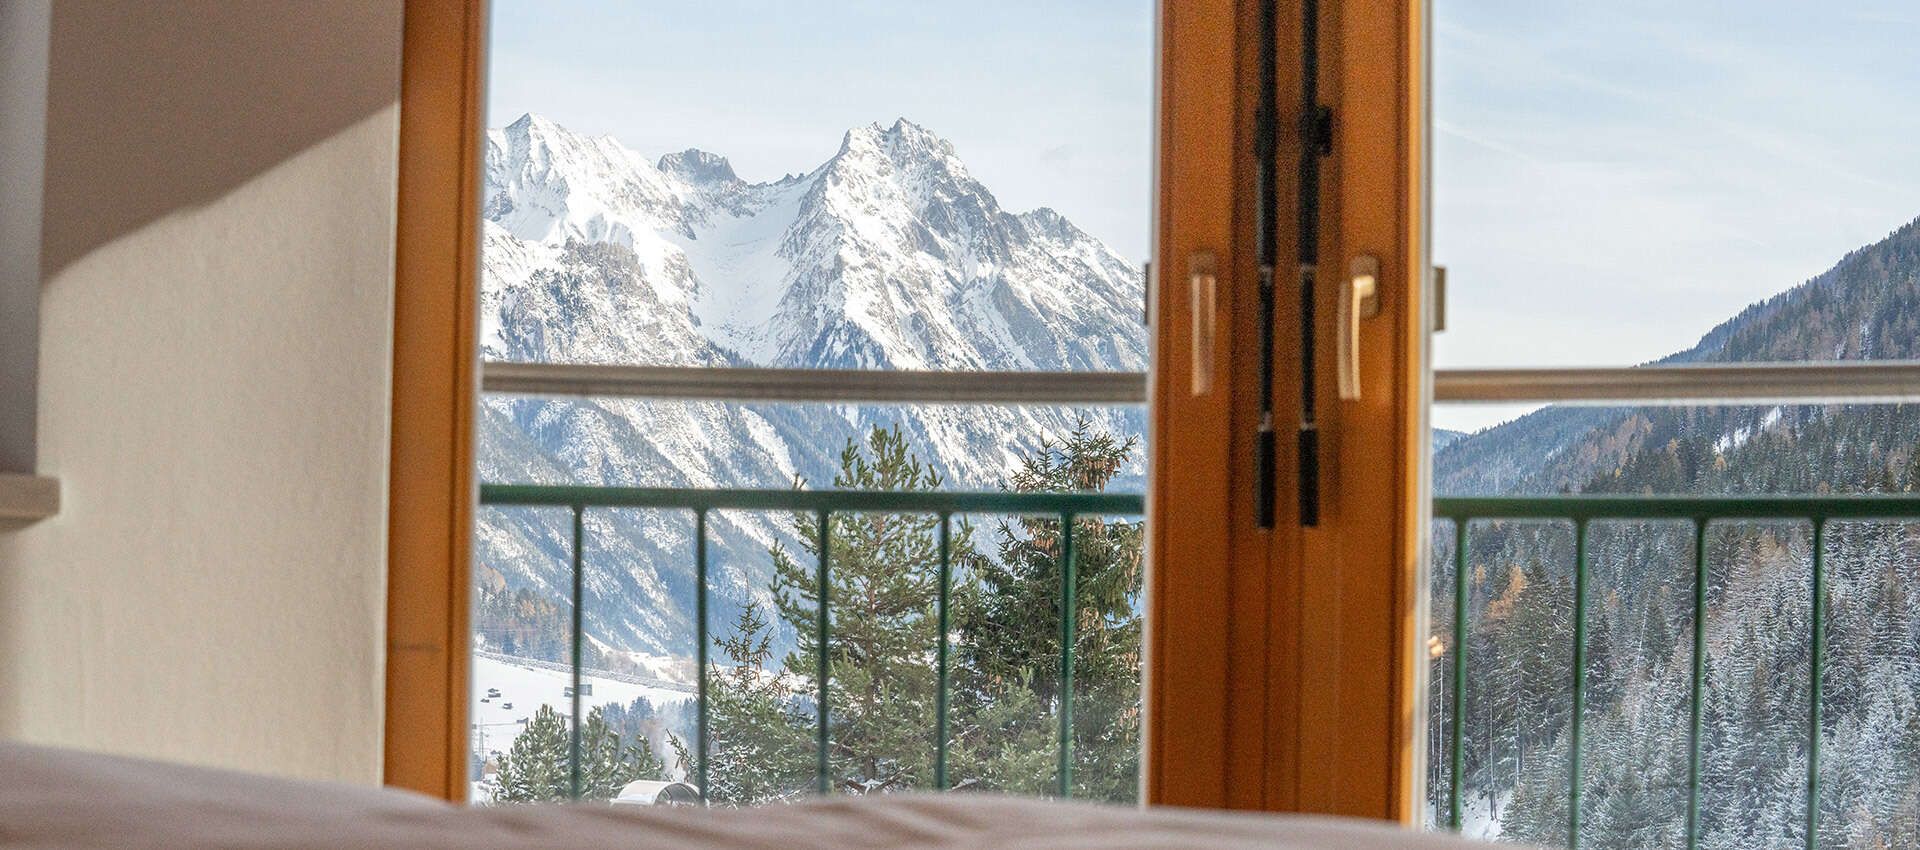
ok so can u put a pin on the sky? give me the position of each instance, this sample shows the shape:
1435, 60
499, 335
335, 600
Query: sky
1048, 103
1611, 180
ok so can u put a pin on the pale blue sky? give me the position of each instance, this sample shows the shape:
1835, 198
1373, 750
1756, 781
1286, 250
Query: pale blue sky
1049, 103
1611, 179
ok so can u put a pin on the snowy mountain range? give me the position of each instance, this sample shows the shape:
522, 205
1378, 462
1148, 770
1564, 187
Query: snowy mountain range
889, 255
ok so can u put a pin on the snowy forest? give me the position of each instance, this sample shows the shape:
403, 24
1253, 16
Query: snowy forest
1759, 602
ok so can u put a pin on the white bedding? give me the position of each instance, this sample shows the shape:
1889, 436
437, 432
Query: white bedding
59, 798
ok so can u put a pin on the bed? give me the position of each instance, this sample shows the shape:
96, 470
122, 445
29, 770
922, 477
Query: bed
60, 798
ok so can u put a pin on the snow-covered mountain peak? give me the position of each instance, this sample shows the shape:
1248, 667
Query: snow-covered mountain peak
1046, 223
548, 184
903, 141
697, 166
902, 163
888, 255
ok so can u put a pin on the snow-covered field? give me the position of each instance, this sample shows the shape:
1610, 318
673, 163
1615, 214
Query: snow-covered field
526, 688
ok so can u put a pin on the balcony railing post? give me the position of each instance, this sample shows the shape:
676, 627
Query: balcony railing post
1698, 692
1456, 727
702, 734
1577, 722
1068, 613
941, 687
823, 632
1816, 674
579, 628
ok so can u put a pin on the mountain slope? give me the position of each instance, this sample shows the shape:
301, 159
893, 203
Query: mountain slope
1867, 307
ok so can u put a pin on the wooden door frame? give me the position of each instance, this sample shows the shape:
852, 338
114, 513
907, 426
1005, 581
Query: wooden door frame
1281, 671
431, 488
1280, 665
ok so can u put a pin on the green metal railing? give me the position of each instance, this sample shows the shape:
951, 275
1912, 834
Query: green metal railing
1700, 511
822, 504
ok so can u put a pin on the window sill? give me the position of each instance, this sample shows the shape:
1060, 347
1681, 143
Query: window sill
27, 499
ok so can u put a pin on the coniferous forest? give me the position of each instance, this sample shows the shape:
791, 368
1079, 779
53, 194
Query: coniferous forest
1757, 699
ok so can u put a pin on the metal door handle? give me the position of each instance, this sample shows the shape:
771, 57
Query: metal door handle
1201, 284
1359, 299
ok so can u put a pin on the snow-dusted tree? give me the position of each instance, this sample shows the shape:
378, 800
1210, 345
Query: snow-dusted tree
537, 769
759, 750
883, 586
1012, 644
534, 770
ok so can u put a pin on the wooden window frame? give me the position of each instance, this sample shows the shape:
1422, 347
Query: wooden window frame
431, 488
1280, 665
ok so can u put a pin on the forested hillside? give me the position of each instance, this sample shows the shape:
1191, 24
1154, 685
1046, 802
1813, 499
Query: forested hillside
1759, 601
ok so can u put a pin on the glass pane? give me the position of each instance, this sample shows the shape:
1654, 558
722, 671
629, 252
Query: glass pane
1614, 181
762, 681
820, 186
1754, 741
1441, 654
645, 443
802, 185
1519, 693
1870, 752
1639, 683
1721, 450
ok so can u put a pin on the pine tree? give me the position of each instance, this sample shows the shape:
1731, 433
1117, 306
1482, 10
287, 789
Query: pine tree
760, 751
534, 770
1012, 646
537, 769
883, 586
608, 763
1603, 675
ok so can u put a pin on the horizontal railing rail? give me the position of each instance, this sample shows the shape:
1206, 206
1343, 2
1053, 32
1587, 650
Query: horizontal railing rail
814, 501
1629, 507
823, 504
1700, 511
1716, 383
866, 386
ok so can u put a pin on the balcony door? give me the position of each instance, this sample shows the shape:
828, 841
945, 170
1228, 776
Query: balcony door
676, 436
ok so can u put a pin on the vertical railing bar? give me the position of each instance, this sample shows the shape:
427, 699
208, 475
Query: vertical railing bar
941, 687
1579, 681
579, 621
1456, 731
823, 633
1815, 675
1068, 614
703, 738
1699, 680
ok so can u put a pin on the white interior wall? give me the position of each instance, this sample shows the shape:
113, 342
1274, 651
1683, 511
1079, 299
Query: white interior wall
216, 291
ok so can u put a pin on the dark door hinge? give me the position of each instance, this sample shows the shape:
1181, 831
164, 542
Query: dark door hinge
1318, 130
